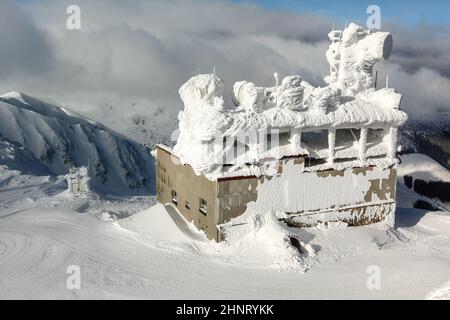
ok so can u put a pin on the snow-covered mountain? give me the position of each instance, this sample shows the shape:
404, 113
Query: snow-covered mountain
424, 176
430, 137
147, 124
423, 183
42, 138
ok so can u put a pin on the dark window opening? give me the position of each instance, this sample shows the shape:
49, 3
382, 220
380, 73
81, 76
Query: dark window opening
187, 204
174, 197
375, 137
311, 162
315, 140
343, 160
347, 138
318, 137
203, 207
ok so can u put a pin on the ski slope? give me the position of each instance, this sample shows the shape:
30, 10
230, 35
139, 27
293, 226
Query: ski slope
148, 256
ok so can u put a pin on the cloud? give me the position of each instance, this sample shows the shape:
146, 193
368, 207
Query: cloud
23, 47
422, 47
424, 91
147, 49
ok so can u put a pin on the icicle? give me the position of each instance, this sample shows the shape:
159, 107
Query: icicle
392, 147
277, 79
363, 145
376, 80
296, 138
331, 144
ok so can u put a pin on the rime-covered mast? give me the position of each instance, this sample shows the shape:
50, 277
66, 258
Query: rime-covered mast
352, 55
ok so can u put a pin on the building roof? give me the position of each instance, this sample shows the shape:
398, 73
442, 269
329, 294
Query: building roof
350, 100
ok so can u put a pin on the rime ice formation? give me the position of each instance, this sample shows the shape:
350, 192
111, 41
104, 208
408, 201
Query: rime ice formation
78, 180
352, 55
209, 131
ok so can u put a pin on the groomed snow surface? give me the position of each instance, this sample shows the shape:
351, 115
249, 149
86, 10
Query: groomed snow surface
134, 248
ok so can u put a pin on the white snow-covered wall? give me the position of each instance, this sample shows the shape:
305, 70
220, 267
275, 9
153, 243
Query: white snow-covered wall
356, 196
295, 191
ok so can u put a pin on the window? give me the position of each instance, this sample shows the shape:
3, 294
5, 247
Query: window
187, 204
375, 137
376, 134
203, 206
236, 148
347, 139
311, 162
315, 140
174, 197
276, 138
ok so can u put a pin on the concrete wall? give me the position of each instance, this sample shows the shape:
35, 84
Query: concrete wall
171, 175
234, 195
357, 195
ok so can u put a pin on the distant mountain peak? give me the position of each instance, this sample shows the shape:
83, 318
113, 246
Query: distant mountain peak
13, 95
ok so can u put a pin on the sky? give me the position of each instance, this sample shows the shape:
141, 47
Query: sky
137, 50
404, 12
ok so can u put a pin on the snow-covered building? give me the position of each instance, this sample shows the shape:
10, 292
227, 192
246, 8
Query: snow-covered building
78, 180
311, 154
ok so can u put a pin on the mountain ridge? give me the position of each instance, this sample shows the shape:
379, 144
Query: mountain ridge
59, 139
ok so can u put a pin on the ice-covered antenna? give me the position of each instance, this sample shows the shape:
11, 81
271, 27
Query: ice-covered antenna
376, 79
332, 32
214, 70
277, 79
387, 81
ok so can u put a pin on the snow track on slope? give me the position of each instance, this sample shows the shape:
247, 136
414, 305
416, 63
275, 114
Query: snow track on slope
37, 246
442, 293
27, 252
